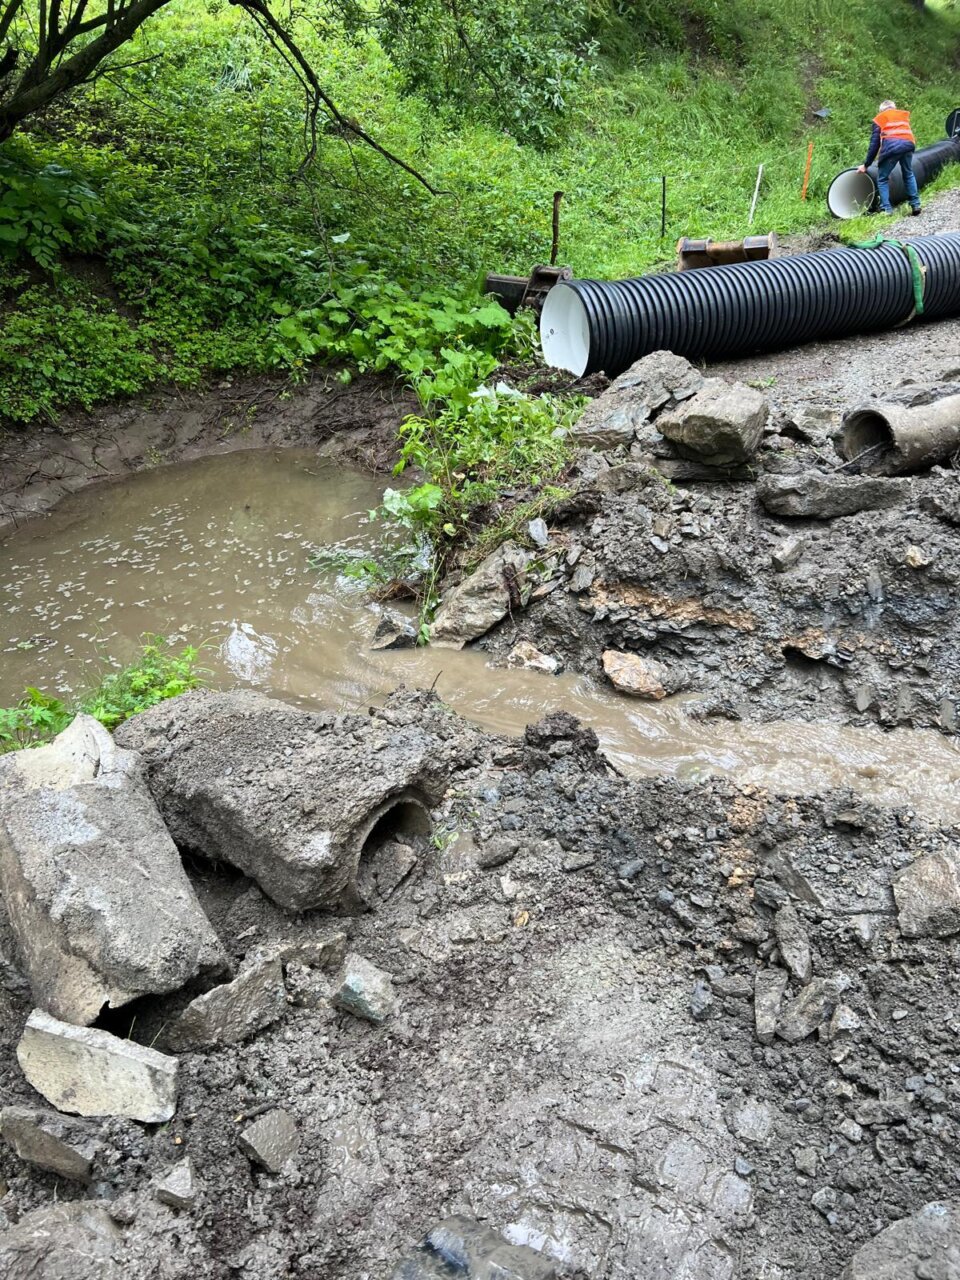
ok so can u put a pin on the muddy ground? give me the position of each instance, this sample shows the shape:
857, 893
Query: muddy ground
575, 1057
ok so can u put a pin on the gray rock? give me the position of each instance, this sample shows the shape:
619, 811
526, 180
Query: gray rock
658, 380
57, 1143
722, 425
93, 883
92, 1073
461, 1247
768, 992
786, 553
327, 952
872, 1112
583, 576
271, 1141
701, 1001
793, 943
394, 631
364, 990
925, 1244
294, 818
76, 1241
815, 495
801, 1016
177, 1187
805, 1161
843, 1022
497, 851
232, 1012
928, 897
538, 533
478, 603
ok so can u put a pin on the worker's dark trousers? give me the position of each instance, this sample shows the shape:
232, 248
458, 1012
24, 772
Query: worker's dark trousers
884, 170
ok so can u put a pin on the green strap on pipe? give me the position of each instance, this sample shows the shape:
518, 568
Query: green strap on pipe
918, 270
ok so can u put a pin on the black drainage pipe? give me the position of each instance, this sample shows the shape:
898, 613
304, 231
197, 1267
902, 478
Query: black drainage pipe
853, 193
593, 325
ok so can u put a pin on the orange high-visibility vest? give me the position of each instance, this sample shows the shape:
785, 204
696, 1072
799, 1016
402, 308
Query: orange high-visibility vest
895, 126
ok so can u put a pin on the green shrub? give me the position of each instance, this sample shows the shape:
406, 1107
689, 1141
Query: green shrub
158, 673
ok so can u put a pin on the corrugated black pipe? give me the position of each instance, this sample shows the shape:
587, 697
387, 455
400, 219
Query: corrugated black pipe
593, 325
852, 193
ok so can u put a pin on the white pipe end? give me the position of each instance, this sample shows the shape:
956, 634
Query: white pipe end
565, 331
851, 193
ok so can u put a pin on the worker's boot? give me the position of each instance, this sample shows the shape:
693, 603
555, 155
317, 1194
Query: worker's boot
915, 212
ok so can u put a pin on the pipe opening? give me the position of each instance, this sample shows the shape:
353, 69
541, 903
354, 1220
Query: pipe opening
402, 822
565, 331
867, 434
851, 194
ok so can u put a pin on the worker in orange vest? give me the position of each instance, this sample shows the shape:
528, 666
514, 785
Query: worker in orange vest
893, 140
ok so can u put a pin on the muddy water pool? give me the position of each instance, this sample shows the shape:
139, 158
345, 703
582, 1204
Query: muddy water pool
219, 552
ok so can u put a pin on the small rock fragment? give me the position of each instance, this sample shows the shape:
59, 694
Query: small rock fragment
638, 677
364, 990
529, 656
850, 1130
538, 533
793, 942
394, 631
844, 1021
63, 1146
701, 1000
495, 852
462, 1247
92, 1073
917, 558
805, 1161
177, 1187
928, 897
768, 993
232, 1012
786, 554
801, 1016
271, 1141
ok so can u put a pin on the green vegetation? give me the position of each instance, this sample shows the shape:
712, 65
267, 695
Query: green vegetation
159, 672
160, 222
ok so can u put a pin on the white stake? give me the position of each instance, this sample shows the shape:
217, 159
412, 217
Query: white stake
756, 193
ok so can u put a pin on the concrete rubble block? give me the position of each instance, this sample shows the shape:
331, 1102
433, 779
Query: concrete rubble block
271, 1141
289, 797
927, 895
178, 1186
818, 496
463, 1248
925, 1244
636, 676
92, 1073
53, 1142
75, 1241
659, 380
721, 425
364, 990
231, 1013
793, 942
814, 1005
93, 884
481, 600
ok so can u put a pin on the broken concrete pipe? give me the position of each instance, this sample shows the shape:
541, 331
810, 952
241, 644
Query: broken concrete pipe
293, 799
893, 439
853, 193
589, 326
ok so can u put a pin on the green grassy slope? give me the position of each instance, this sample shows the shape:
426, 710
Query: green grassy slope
186, 229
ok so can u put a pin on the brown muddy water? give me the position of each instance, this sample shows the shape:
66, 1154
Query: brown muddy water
218, 552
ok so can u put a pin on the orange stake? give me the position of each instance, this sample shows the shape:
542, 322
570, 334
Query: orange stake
806, 172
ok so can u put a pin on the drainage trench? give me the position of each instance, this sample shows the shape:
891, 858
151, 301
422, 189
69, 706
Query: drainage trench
218, 551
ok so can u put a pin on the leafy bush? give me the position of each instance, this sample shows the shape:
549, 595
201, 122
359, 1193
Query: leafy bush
158, 673
44, 212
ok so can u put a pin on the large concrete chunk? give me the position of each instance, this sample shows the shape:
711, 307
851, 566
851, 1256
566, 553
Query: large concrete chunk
75, 1241
92, 1073
928, 897
481, 600
230, 1013
93, 884
925, 1244
51, 1141
289, 797
722, 425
